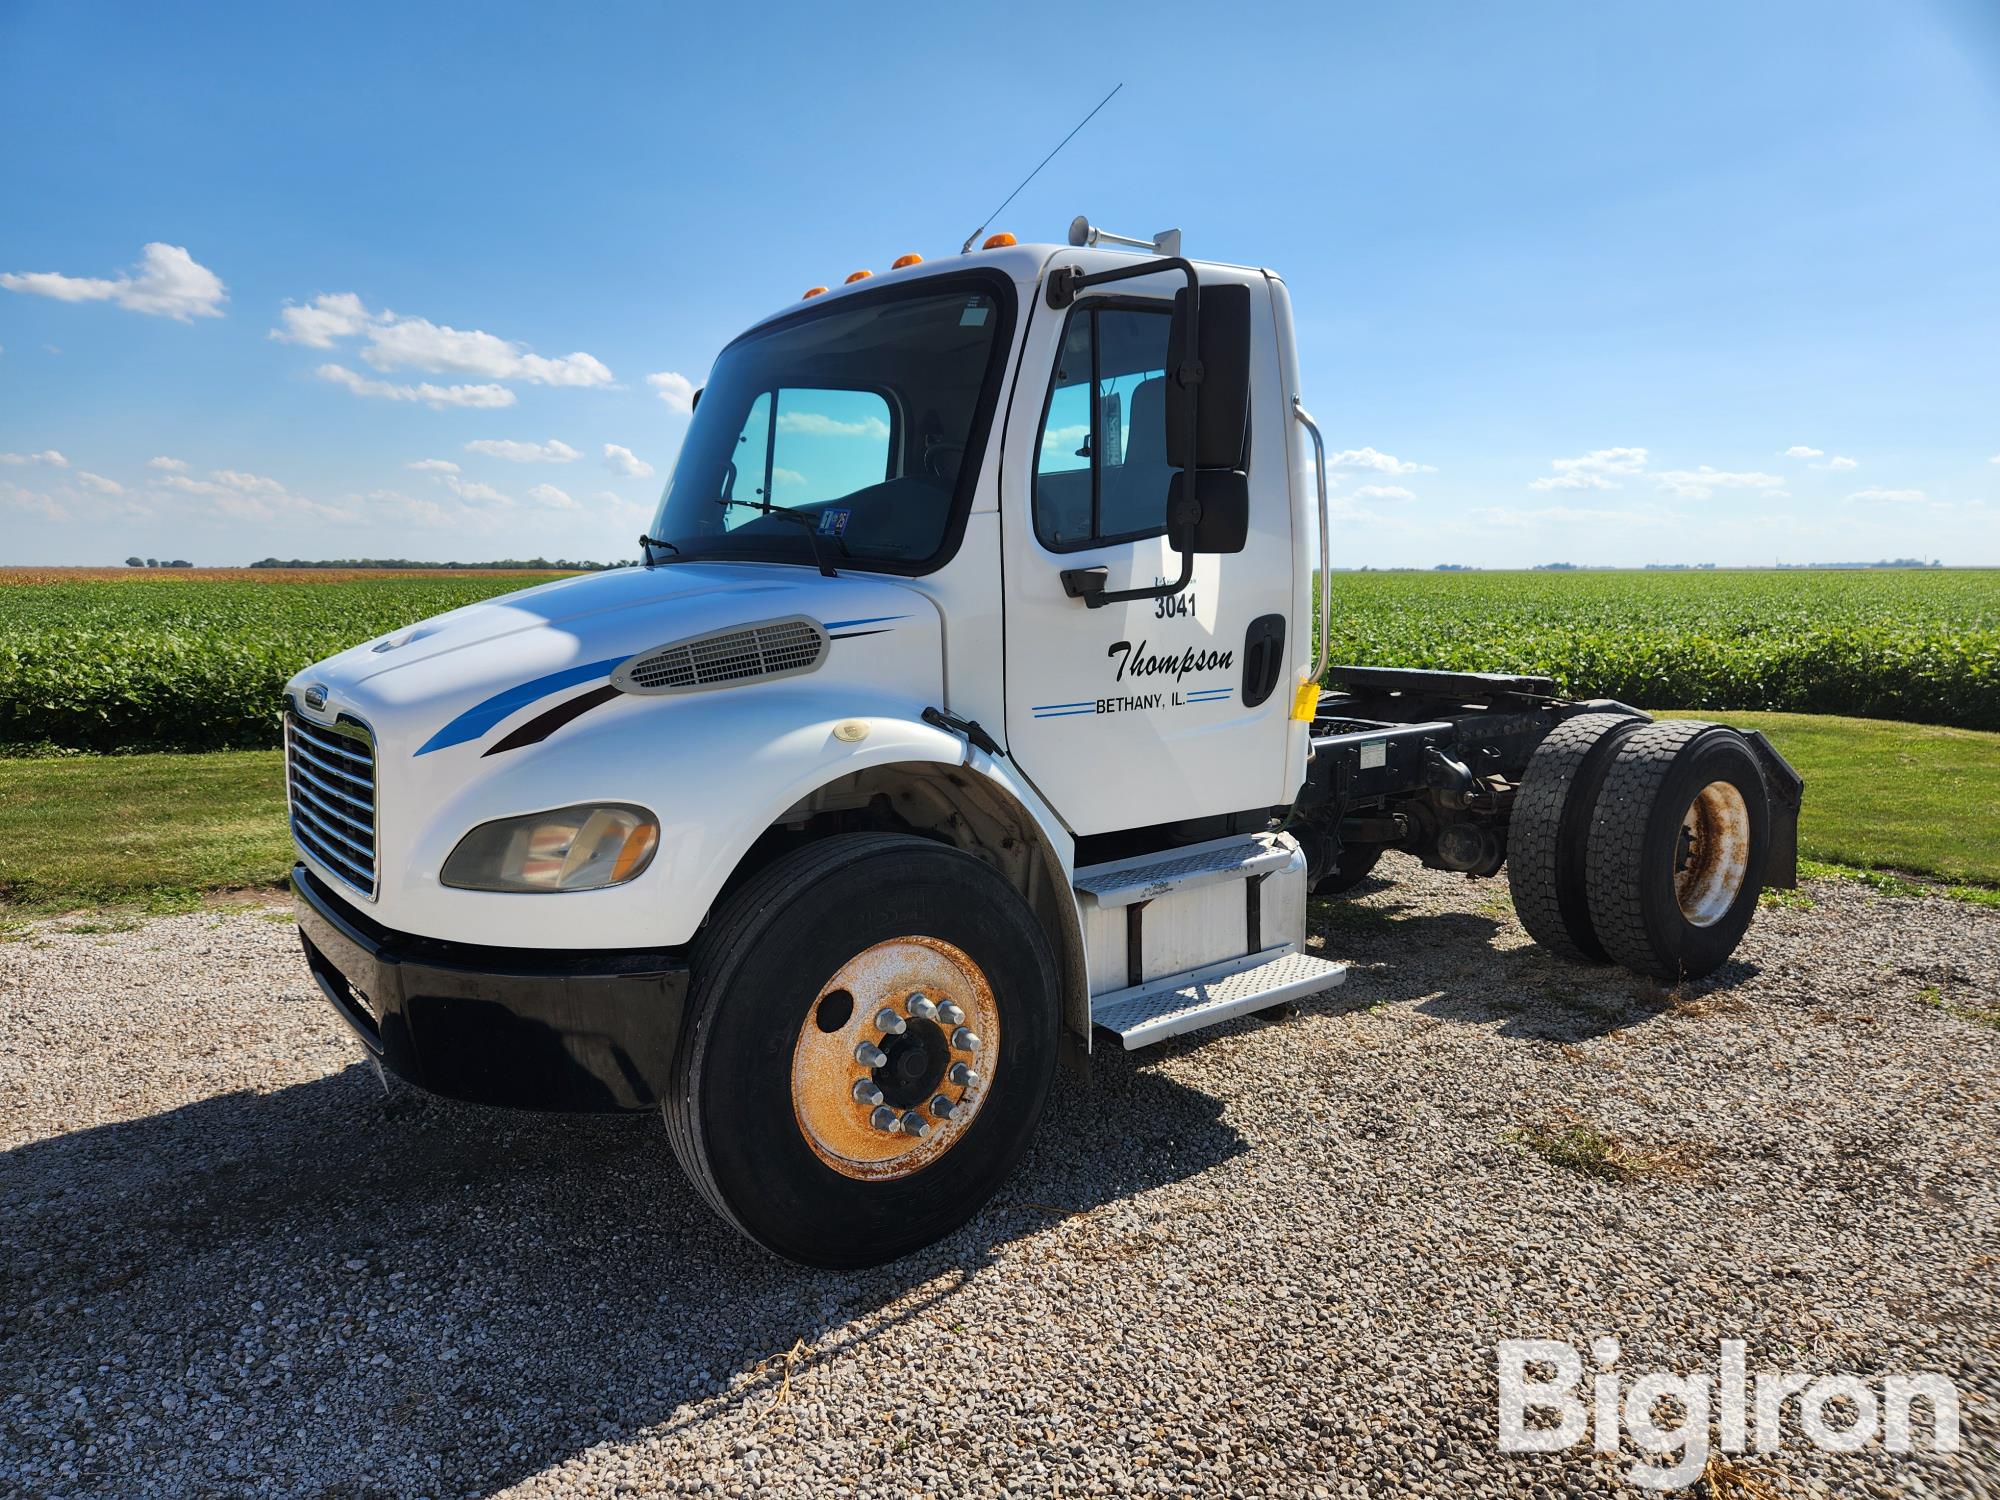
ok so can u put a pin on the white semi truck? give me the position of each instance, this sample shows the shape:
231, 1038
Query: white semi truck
967, 706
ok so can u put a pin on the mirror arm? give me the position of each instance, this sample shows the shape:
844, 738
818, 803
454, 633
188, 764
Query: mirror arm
1087, 584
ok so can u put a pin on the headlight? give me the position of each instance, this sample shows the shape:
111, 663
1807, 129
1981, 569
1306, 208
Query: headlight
570, 849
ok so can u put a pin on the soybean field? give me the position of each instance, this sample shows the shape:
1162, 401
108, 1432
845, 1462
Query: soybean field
109, 661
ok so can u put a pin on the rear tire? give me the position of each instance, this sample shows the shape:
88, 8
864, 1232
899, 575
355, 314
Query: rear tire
1549, 832
1678, 844
759, 1107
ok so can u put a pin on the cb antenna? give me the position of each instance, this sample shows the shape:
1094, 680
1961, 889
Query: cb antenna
967, 246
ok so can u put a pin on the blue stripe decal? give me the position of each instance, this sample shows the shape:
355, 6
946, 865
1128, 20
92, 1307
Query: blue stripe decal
1068, 713
871, 620
1080, 703
1209, 695
481, 717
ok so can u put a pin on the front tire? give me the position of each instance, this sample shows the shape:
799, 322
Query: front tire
816, 1154
1678, 844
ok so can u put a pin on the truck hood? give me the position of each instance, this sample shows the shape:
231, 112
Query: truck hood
451, 679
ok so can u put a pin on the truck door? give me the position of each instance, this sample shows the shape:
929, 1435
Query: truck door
1152, 710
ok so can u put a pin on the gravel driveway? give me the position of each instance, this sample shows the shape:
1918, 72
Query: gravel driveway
1271, 1259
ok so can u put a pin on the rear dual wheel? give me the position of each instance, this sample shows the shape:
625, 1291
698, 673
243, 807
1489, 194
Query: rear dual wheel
869, 1043
1643, 844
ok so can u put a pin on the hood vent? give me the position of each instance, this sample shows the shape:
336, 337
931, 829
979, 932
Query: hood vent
724, 658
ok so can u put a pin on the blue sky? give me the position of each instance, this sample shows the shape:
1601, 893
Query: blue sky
1579, 282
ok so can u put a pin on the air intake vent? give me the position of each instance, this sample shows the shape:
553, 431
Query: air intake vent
753, 653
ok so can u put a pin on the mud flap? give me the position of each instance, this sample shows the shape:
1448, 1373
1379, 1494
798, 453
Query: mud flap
1787, 790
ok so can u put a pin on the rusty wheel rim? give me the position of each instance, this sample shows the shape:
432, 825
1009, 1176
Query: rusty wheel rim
894, 1058
1712, 854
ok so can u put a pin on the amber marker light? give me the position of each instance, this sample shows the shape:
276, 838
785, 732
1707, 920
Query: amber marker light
999, 241
855, 276
905, 260
811, 292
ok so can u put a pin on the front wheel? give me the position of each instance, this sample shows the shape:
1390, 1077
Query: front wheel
869, 1044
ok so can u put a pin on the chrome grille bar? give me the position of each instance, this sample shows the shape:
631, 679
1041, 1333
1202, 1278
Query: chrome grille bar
330, 786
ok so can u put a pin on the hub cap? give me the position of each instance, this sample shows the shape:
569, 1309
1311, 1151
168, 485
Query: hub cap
1712, 854
881, 1086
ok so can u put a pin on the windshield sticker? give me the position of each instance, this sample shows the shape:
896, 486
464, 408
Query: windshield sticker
974, 315
833, 522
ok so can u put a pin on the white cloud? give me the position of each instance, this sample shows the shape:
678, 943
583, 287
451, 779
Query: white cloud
323, 320
1064, 439
551, 452
555, 499
171, 465
1837, 464
167, 282
1702, 482
818, 424
624, 461
1887, 497
1995, 459
1597, 470
395, 342
47, 457
432, 466
1800, 450
99, 483
1369, 458
675, 389
472, 489
783, 475
32, 502
1383, 492
438, 397
252, 497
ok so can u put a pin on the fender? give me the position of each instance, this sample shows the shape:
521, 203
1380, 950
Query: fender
716, 769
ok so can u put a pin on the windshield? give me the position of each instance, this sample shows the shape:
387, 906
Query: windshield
868, 417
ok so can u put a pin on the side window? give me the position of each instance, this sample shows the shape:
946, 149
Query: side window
828, 444
744, 478
1101, 467
815, 446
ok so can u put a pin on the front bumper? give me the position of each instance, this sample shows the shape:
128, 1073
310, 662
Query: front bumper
588, 1030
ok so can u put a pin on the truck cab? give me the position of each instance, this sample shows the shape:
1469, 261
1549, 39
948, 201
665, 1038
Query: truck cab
964, 708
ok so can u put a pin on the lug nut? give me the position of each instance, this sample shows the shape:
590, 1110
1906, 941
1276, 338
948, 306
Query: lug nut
949, 1014
866, 1092
964, 1040
920, 1006
886, 1119
942, 1107
916, 1125
871, 1056
963, 1075
889, 1023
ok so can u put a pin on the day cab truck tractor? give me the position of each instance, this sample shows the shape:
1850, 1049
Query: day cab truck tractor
967, 707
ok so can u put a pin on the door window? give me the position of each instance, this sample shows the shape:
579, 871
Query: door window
1101, 470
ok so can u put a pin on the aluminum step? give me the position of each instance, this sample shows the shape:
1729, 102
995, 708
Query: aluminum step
1152, 1012
1122, 882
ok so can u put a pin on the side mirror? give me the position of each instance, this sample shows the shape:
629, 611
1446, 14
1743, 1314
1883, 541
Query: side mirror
695, 399
1208, 510
1222, 408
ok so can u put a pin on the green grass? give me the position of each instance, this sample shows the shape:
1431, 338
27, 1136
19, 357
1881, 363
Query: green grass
1884, 802
1883, 797
149, 830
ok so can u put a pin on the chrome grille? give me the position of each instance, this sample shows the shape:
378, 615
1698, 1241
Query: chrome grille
330, 775
779, 649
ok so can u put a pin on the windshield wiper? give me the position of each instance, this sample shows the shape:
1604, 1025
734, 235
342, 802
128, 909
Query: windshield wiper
811, 523
648, 543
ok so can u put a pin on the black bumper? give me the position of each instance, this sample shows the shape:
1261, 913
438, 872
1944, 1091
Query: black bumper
590, 1030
